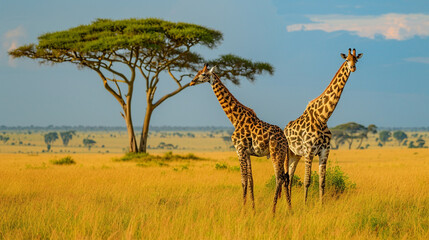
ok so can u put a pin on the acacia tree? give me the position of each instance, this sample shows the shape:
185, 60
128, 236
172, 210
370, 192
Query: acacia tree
88, 143
339, 137
384, 136
350, 131
67, 136
50, 138
364, 134
399, 136
347, 132
4, 138
119, 50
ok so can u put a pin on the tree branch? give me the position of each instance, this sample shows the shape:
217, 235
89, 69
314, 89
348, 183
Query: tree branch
165, 97
178, 81
109, 89
115, 80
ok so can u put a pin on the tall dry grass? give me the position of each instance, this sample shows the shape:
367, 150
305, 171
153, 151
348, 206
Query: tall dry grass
98, 198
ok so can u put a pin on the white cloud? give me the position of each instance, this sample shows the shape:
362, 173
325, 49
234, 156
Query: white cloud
390, 26
15, 33
418, 59
11, 41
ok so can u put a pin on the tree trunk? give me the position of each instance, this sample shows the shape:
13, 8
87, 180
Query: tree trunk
360, 143
350, 144
130, 128
145, 130
334, 144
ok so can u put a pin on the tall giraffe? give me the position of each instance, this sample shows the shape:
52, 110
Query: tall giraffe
252, 137
309, 135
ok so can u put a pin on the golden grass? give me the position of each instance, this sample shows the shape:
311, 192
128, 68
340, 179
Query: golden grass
98, 198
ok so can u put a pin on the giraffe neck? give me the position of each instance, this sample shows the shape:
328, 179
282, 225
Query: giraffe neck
323, 106
233, 109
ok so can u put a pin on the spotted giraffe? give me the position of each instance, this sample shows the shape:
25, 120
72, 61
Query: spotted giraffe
309, 135
252, 137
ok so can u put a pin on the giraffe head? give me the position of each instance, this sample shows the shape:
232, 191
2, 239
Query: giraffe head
351, 59
203, 75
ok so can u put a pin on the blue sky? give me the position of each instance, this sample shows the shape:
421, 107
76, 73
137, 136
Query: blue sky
301, 39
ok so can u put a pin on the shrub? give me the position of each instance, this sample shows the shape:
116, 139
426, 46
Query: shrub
131, 156
191, 156
271, 183
336, 181
68, 160
146, 160
221, 166
296, 181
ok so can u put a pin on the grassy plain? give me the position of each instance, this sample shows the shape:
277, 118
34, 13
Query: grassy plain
32, 142
98, 198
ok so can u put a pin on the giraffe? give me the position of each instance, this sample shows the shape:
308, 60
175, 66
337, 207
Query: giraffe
309, 135
251, 137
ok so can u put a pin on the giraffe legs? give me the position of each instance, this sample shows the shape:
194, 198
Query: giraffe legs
323, 159
243, 169
293, 160
307, 178
282, 180
250, 180
246, 176
278, 155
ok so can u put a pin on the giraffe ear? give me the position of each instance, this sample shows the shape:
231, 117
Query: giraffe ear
359, 55
343, 55
213, 69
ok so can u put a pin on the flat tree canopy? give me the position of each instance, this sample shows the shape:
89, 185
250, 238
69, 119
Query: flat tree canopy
347, 132
104, 38
147, 46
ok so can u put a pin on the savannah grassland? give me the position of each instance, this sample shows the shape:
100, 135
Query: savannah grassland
99, 198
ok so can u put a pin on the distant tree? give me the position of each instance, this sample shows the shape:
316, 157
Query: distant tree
67, 136
384, 136
191, 135
50, 138
4, 139
372, 129
400, 136
89, 143
420, 143
338, 138
348, 132
227, 139
122, 51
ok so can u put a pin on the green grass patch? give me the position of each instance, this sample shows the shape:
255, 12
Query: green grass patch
336, 181
43, 166
147, 160
145, 157
224, 166
221, 166
68, 160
